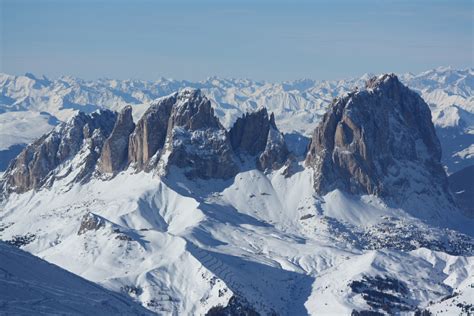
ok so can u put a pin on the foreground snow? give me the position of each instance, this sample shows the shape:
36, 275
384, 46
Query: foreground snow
180, 246
29, 286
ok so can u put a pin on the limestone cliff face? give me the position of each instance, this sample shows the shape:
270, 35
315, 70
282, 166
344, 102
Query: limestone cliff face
149, 135
179, 130
193, 112
196, 142
256, 134
249, 133
276, 153
114, 156
378, 141
37, 165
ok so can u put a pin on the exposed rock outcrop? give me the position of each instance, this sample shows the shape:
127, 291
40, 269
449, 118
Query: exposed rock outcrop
89, 222
256, 134
83, 135
150, 132
193, 111
276, 153
378, 141
249, 134
114, 156
179, 130
196, 141
236, 306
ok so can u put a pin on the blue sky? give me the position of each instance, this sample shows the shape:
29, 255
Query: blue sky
269, 40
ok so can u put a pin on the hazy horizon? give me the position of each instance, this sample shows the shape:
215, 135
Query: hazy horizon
54, 77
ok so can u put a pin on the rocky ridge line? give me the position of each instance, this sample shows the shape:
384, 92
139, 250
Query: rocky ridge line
178, 130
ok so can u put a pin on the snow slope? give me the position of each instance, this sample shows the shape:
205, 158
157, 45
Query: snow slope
181, 246
29, 285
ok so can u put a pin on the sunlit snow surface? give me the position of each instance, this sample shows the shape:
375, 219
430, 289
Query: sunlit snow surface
185, 246
31, 286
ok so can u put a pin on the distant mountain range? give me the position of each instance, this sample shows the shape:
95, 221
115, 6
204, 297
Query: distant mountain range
30, 106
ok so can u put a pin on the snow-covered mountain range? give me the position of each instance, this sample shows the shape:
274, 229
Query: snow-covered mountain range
30, 106
196, 201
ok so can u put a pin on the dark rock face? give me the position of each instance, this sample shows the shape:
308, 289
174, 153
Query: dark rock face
256, 134
276, 153
236, 306
115, 151
250, 132
196, 141
462, 185
21, 240
90, 221
36, 164
378, 141
150, 133
383, 294
366, 313
193, 111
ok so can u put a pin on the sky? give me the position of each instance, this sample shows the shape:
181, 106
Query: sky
262, 40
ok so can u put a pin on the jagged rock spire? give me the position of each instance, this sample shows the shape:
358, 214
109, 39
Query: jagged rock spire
115, 150
193, 111
256, 134
250, 132
37, 164
150, 133
196, 141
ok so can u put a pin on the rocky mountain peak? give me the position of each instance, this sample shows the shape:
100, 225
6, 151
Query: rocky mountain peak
149, 136
249, 133
388, 81
378, 141
256, 134
276, 152
115, 150
193, 111
37, 165
189, 95
196, 141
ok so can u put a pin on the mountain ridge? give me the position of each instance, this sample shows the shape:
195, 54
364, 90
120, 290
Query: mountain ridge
297, 107
175, 235
180, 129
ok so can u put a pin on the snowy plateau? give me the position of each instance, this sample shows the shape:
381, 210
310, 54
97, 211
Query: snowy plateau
237, 197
